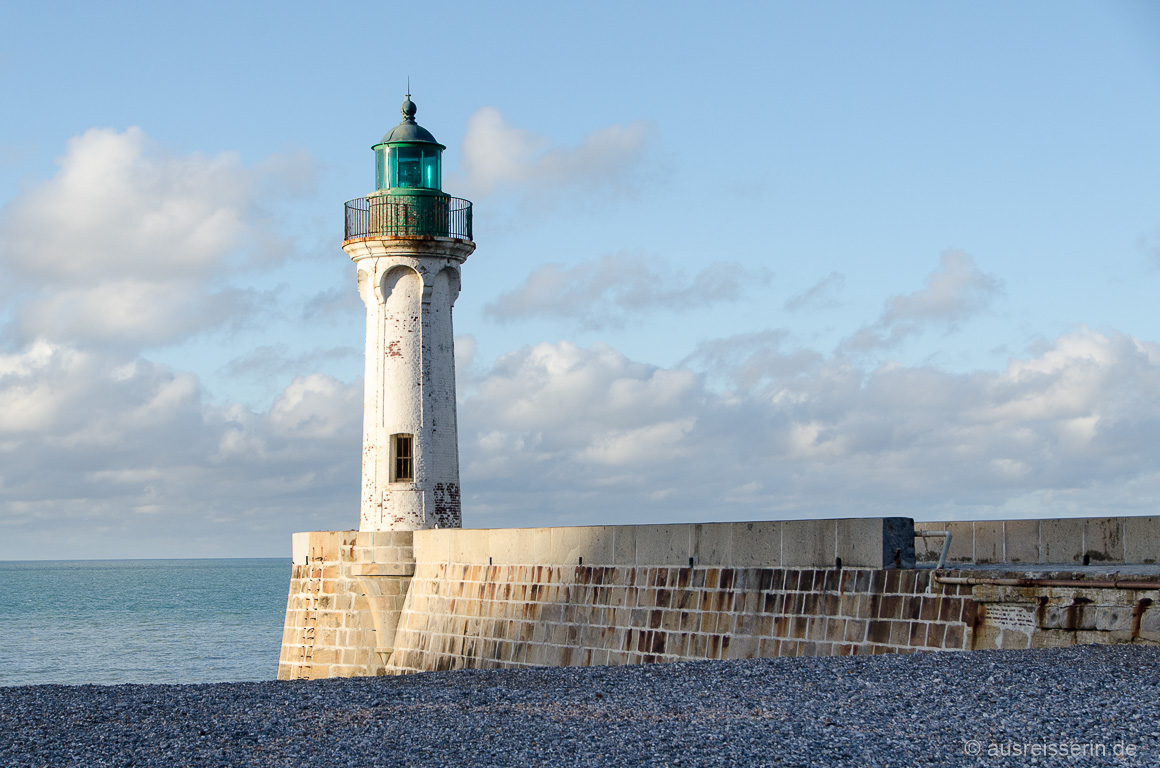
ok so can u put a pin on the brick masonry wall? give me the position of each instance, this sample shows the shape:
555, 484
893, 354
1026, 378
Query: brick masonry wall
480, 616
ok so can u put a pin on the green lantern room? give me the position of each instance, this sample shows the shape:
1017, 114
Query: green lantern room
408, 157
408, 201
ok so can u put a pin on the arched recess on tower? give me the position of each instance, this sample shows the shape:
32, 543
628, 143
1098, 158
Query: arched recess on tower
402, 355
400, 279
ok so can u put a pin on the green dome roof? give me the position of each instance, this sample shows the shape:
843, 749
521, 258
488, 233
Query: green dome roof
408, 130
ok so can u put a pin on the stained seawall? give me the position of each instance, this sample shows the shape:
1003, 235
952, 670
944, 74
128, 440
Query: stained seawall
392, 603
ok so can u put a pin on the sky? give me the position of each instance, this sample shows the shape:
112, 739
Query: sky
735, 261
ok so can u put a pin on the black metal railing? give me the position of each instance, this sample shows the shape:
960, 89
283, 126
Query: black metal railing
408, 216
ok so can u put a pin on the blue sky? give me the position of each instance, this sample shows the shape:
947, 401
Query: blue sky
764, 261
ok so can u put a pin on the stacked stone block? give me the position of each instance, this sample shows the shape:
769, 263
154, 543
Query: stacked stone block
347, 589
480, 616
1017, 617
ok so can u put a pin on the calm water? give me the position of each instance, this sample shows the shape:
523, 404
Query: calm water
141, 621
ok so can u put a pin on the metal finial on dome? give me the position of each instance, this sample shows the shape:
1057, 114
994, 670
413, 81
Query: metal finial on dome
408, 130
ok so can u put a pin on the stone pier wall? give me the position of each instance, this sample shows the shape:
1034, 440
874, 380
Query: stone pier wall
480, 616
393, 603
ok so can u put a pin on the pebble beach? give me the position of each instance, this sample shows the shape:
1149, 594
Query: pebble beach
1085, 705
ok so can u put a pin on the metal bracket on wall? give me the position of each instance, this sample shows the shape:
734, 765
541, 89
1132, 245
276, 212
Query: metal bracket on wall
942, 558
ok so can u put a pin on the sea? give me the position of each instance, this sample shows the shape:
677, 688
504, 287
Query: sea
109, 622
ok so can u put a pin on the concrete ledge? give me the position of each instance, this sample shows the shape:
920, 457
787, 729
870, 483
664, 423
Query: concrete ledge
1052, 541
811, 544
754, 545
856, 542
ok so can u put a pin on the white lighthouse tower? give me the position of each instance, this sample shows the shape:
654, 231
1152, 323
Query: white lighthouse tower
408, 240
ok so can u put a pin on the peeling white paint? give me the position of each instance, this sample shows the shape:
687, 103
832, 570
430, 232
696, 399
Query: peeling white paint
409, 287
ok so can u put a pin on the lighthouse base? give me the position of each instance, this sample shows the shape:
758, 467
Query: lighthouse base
347, 590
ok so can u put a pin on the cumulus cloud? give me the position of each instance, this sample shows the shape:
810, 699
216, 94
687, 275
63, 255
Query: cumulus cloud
608, 292
818, 296
498, 155
557, 421
102, 454
953, 293
116, 207
747, 361
557, 433
129, 245
129, 313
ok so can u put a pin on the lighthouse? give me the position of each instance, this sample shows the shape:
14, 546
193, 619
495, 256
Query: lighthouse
408, 240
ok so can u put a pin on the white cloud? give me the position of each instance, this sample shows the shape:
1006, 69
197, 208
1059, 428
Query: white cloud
129, 312
316, 407
129, 245
955, 292
97, 451
119, 207
559, 434
654, 443
609, 291
101, 449
749, 360
498, 155
118, 450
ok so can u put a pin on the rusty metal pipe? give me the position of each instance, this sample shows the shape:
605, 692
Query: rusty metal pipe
1090, 584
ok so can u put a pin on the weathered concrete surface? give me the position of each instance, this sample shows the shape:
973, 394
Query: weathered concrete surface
1066, 541
1055, 616
858, 542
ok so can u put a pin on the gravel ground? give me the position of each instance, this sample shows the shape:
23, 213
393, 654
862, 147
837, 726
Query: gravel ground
927, 709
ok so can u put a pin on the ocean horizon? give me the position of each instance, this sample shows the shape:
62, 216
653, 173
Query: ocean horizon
108, 622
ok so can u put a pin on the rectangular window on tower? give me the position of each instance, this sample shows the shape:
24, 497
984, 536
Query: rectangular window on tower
402, 458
